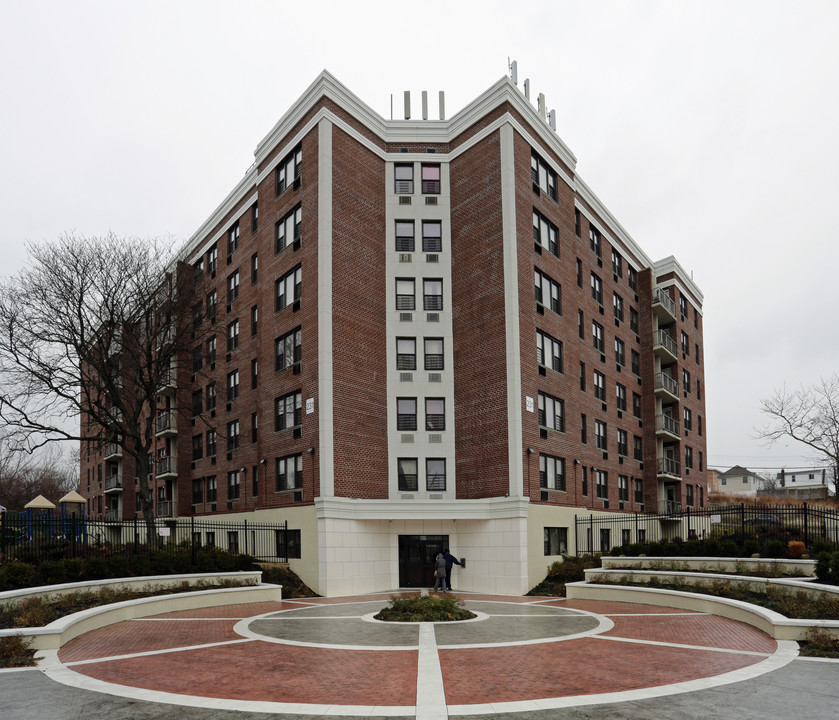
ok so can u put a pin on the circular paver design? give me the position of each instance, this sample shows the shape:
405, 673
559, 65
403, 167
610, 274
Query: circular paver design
325, 657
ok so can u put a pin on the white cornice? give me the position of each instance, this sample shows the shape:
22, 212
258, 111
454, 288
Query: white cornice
671, 265
485, 509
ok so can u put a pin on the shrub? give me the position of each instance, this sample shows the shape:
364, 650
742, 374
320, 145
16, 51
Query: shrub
15, 652
293, 586
820, 643
52, 572
424, 608
95, 568
712, 547
774, 548
821, 546
751, 547
796, 549
729, 548
823, 566
16, 575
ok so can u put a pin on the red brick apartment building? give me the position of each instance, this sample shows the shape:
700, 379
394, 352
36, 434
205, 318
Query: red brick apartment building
430, 332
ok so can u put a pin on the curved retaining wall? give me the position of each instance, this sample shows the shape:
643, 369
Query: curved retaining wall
796, 568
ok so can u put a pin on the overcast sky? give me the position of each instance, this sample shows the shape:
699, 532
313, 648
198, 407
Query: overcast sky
709, 129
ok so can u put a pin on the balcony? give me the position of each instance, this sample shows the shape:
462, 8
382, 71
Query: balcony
113, 483
165, 509
665, 346
168, 382
669, 468
167, 467
667, 426
113, 515
113, 451
669, 507
664, 307
666, 386
166, 423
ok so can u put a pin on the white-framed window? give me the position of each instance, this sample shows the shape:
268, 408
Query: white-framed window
551, 472
432, 236
406, 471
556, 541
406, 413
405, 236
403, 175
288, 411
406, 353
545, 233
548, 351
288, 350
548, 292
433, 347
289, 472
596, 288
288, 289
597, 336
289, 170
435, 414
430, 178
289, 229
432, 294
405, 294
600, 434
542, 175
599, 386
551, 412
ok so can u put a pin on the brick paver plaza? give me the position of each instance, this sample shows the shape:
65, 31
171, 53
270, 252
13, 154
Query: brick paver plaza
330, 657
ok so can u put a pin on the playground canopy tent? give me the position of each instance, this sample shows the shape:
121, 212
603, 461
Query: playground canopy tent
39, 503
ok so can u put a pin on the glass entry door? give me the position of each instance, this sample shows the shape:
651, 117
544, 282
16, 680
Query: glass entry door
416, 559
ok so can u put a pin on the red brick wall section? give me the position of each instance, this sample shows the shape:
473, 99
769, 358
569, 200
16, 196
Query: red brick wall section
359, 296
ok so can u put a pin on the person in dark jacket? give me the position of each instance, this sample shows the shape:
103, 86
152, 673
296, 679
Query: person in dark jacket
440, 573
450, 560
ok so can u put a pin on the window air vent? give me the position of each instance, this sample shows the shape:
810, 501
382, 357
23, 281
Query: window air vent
601, 310
406, 317
298, 432
620, 460
435, 438
432, 258
404, 199
229, 407
543, 496
212, 507
431, 200
213, 460
296, 306
407, 438
435, 377
230, 456
295, 246
433, 317
542, 370
406, 377
620, 506
228, 357
543, 433
229, 504
435, 496
605, 504
540, 309
407, 496
405, 257
298, 496
295, 370
296, 184
599, 262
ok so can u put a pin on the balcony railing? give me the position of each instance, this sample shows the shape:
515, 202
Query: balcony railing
166, 466
667, 424
165, 508
661, 299
113, 449
113, 482
663, 340
112, 515
669, 466
665, 382
166, 422
669, 507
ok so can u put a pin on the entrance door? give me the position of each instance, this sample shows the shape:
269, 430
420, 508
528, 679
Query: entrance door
416, 559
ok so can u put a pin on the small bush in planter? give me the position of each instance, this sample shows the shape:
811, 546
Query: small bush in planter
796, 549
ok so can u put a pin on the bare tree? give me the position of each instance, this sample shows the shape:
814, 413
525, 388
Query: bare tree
24, 476
89, 333
809, 415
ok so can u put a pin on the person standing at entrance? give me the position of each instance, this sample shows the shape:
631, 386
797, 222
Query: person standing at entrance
450, 560
440, 573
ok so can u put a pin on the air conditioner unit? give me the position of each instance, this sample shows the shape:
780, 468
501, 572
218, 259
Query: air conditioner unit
407, 439
435, 438
406, 377
405, 258
431, 200
433, 258
404, 199
406, 317
298, 496
435, 377
432, 317
543, 496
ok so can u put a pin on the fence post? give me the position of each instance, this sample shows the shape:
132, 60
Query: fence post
636, 526
590, 543
742, 521
576, 535
3, 535
135, 532
806, 527
192, 537
246, 538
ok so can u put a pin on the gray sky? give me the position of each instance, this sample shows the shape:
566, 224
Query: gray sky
708, 128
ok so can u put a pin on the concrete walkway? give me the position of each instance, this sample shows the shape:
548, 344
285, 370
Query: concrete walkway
521, 658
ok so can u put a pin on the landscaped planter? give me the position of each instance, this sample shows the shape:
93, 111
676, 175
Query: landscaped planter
790, 568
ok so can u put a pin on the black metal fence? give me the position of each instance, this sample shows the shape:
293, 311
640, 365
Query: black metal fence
600, 533
47, 537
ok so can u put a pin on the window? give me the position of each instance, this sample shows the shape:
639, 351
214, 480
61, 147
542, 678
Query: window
406, 353
685, 343
232, 385
617, 306
620, 396
289, 473
254, 320
197, 358
626, 536
579, 273
636, 363
430, 179
197, 317
599, 386
254, 480
688, 457
289, 230
433, 353
600, 434
687, 418
405, 294
594, 239
699, 425
288, 411
581, 326
636, 405
617, 264
287, 350
211, 496
623, 488
233, 535
698, 389
232, 239
689, 495
211, 396
254, 217
633, 320
232, 435
698, 359
700, 470
547, 292
254, 429
548, 351
432, 294
601, 479
232, 287
435, 414
620, 353
197, 401
623, 443
686, 381
577, 223
638, 448
556, 541
435, 474
432, 236
233, 335
211, 450
254, 374
406, 413
212, 303
545, 234
403, 175
597, 336
551, 412
583, 376
551, 472
632, 276
639, 491
197, 492
583, 430
288, 289
683, 306
406, 470
197, 447
254, 268
596, 288
404, 236
288, 171
288, 543
212, 260
543, 177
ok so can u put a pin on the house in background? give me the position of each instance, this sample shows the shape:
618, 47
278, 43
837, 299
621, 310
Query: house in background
736, 481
